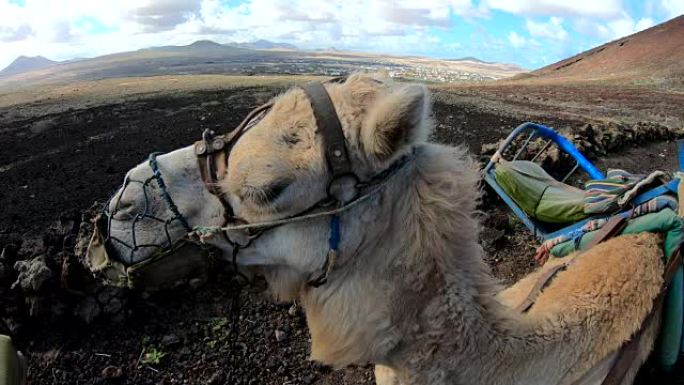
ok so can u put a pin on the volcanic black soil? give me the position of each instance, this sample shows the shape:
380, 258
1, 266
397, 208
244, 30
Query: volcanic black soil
54, 167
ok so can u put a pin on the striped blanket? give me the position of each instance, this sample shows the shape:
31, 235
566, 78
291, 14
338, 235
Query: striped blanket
654, 205
609, 196
606, 196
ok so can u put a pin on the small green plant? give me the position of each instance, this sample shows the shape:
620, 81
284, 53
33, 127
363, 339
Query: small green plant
218, 323
513, 222
152, 356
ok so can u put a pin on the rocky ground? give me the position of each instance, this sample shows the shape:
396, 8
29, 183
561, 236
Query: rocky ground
75, 331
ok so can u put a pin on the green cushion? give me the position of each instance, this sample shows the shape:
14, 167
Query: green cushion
538, 194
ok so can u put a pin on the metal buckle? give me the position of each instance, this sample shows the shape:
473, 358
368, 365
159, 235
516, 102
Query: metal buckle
210, 143
344, 188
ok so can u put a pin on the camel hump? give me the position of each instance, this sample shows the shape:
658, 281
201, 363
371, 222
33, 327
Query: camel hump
607, 292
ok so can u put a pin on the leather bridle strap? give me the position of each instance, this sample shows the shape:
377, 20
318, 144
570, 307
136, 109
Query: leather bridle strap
342, 185
212, 154
331, 129
212, 151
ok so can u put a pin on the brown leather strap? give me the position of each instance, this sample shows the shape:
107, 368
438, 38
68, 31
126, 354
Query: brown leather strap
213, 150
542, 282
628, 352
613, 227
331, 128
250, 120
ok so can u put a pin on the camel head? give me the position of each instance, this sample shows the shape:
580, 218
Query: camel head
276, 169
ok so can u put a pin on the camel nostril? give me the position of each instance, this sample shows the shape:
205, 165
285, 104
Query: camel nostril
128, 202
121, 206
124, 211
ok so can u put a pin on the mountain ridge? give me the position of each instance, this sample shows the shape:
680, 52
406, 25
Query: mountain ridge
261, 57
24, 64
654, 54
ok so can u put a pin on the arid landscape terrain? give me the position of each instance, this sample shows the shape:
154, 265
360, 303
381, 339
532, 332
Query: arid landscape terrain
208, 57
65, 145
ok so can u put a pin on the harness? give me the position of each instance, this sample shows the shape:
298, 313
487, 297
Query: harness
344, 190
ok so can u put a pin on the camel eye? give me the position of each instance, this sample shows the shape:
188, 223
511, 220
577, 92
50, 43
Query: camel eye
291, 139
267, 194
274, 190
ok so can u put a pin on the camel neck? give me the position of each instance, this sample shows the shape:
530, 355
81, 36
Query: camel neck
412, 290
443, 294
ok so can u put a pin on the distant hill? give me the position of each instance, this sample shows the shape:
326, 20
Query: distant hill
265, 44
200, 47
208, 45
471, 58
25, 64
653, 55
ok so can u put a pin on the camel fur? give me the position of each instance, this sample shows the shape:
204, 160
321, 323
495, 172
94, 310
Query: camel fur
412, 292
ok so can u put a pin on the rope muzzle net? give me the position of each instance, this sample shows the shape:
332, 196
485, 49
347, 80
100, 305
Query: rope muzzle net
173, 257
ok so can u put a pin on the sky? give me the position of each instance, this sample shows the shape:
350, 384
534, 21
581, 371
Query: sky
525, 32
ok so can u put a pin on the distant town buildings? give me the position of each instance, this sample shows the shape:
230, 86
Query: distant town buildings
334, 67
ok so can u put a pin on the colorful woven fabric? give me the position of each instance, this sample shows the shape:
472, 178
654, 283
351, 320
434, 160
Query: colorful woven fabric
609, 195
652, 206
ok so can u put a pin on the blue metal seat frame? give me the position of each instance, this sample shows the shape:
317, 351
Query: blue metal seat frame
540, 230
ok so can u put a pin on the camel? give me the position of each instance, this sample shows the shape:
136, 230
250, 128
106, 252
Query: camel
409, 290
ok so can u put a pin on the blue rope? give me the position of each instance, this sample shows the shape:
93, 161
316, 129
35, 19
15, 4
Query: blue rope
334, 241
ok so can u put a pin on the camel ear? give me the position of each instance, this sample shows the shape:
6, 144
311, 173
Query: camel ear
396, 120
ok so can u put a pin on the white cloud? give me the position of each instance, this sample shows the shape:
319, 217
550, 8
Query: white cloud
578, 8
552, 29
613, 29
165, 14
516, 40
673, 8
643, 23
63, 29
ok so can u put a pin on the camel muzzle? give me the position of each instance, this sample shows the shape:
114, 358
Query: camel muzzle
114, 259
163, 268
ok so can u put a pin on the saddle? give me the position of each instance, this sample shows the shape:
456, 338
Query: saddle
618, 363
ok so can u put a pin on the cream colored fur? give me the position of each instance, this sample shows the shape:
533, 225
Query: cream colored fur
410, 290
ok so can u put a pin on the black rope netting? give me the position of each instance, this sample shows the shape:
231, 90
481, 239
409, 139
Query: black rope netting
146, 213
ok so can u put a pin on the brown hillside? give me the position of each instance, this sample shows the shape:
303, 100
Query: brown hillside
655, 56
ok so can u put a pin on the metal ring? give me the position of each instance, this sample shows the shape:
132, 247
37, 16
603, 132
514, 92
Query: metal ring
344, 187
